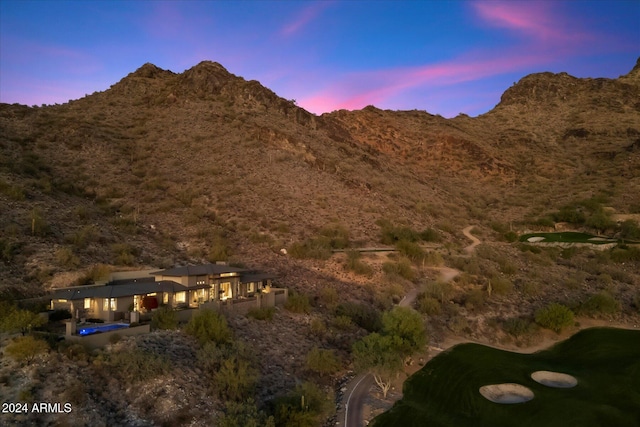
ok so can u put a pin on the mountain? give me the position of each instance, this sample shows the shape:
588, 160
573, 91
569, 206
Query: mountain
171, 162
165, 168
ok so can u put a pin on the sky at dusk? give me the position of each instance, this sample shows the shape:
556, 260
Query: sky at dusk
445, 57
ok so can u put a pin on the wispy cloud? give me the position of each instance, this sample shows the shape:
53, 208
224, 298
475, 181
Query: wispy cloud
537, 20
377, 87
304, 17
545, 36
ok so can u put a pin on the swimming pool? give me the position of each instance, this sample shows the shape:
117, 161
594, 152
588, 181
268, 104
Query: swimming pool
88, 330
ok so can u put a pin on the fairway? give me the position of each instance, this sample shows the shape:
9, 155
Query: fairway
604, 361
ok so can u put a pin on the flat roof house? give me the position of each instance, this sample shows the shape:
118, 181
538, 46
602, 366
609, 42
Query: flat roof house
180, 287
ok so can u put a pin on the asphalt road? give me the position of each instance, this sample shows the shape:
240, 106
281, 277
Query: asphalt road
355, 400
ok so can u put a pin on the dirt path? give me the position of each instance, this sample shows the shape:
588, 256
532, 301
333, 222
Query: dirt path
472, 247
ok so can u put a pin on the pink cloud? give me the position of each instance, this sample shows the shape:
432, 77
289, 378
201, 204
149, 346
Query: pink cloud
378, 87
304, 17
537, 20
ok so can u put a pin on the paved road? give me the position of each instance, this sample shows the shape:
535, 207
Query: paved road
355, 400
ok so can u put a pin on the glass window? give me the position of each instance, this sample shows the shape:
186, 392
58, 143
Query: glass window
181, 297
109, 304
251, 287
225, 290
87, 303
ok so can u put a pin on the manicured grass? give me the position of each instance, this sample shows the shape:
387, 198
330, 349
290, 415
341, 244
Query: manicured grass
605, 361
567, 237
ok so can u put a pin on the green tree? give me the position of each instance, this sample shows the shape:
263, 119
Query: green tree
379, 354
323, 362
555, 317
209, 325
164, 318
405, 324
26, 349
17, 320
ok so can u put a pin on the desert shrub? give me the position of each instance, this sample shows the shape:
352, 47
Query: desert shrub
630, 229
391, 293
625, 254
518, 326
600, 303
323, 362
136, 365
329, 297
124, 253
75, 352
243, 414
164, 318
458, 324
433, 258
362, 315
337, 235
411, 250
306, 406
531, 288
235, 378
342, 323
316, 248
317, 327
80, 239
209, 325
391, 234
8, 250
219, 249
500, 285
442, 291
510, 236
571, 214
25, 349
66, 258
298, 303
400, 268
430, 235
356, 265
555, 317
475, 299
263, 313
428, 305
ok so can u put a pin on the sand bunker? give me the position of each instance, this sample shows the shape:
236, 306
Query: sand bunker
506, 393
554, 379
535, 239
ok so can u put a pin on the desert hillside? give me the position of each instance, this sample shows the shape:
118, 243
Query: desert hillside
166, 169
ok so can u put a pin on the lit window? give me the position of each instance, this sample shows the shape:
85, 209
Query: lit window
225, 290
165, 298
109, 304
251, 287
181, 297
87, 303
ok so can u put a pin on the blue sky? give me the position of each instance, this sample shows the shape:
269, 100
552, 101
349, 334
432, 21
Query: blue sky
445, 57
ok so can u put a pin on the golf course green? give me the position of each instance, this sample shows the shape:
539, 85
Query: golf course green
604, 361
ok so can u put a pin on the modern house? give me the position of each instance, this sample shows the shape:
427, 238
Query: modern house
180, 287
